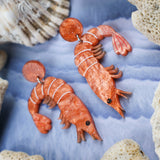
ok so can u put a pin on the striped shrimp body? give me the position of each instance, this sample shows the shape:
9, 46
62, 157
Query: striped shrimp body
88, 52
56, 91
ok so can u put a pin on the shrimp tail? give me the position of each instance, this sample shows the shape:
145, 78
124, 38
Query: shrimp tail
42, 122
120, 44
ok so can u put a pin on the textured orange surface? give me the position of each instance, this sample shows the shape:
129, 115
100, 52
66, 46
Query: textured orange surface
32, 70
69, 28
73, 111
101, 79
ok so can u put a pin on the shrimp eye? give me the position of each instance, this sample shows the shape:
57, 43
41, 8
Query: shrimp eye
109, 101
87, 123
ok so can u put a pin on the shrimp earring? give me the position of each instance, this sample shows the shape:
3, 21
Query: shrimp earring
86, 56
56, 91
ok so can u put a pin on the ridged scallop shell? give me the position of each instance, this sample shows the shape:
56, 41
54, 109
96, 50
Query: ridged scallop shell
30, 22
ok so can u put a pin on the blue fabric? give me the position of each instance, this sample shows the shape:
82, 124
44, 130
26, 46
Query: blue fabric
140, 76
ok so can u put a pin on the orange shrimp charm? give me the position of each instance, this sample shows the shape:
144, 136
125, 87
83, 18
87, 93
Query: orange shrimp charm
89, 51
57, 91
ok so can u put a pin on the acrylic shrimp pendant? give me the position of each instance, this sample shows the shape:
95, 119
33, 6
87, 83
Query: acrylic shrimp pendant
56, 91
86, 55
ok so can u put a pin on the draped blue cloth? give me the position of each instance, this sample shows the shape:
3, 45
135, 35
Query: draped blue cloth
140, 75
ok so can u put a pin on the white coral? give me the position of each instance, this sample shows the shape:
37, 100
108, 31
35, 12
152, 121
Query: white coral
126, 149
155, 120
147, 18
3, 87
10, 155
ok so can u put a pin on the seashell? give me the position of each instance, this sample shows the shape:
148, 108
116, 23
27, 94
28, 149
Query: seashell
29, 22
10, 155
3, 88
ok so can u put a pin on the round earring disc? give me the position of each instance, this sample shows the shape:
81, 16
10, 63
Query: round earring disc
70, 28
33, 70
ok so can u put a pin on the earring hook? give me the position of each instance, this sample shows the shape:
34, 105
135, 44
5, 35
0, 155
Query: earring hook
78, 38
39, 81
